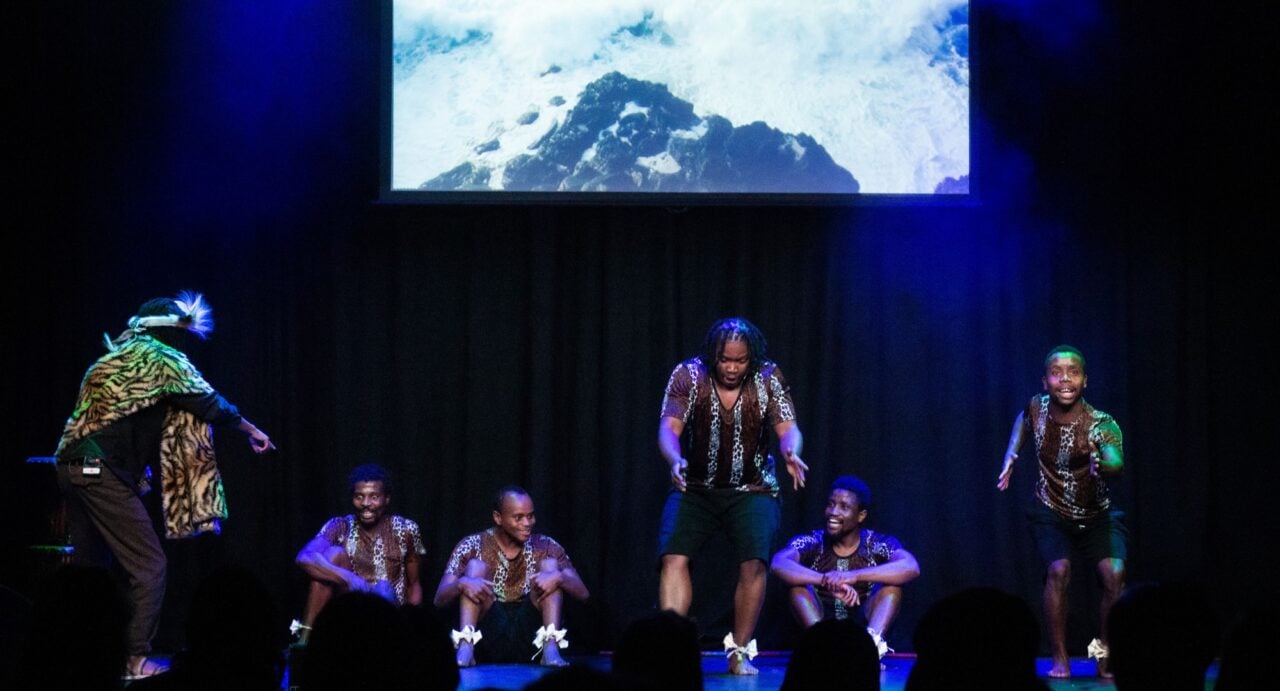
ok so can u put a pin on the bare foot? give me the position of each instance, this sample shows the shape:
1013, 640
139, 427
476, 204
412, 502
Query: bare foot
1104, 670
740, 665
551, 656
141, 666
466, 655
1061, 668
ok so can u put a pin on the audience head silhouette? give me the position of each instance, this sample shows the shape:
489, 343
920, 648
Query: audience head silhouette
660, 651
1155, 642
76, 638
1247, 650
979, 638
834, 653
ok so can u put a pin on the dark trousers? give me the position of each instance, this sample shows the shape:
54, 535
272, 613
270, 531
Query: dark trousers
106, 519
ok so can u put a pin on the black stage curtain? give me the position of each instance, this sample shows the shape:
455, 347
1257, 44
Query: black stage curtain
468, 347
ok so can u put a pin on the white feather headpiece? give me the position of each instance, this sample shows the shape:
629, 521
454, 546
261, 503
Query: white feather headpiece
196, 317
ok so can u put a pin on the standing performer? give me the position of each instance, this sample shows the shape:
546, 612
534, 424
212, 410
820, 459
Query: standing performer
1078, 447
142, 403
716, 416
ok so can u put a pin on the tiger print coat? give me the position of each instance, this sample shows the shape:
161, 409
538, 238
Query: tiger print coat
136, 376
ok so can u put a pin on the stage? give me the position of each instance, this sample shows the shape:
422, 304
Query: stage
773, 668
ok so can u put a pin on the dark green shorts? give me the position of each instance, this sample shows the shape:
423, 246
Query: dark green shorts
749, 519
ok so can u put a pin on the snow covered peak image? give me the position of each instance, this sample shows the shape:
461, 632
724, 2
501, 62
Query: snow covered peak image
754, 96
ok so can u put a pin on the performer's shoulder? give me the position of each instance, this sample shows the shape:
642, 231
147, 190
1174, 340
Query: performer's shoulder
472, 541
877, 537
337, 525
404, 523
693, 367
804, 540
1102, 420
541, 539
1099, 415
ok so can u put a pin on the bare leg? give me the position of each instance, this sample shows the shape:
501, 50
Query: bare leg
748, 598
320, 592
675, 585
1111, 574
882, 608
550, 608
804, 605
470, 613
318, 595
1055, 614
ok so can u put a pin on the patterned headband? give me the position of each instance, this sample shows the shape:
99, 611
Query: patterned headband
195, 316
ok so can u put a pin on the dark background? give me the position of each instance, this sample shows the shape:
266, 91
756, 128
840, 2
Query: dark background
232, 148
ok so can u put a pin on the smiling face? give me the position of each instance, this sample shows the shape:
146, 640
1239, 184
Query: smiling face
370, 502
516, 518
1064, 379
844, 513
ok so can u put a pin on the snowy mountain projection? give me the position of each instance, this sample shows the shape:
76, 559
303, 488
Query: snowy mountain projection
739, 96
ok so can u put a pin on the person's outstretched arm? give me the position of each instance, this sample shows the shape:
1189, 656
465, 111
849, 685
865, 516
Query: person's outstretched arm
216, 410
1011, 452
258, 440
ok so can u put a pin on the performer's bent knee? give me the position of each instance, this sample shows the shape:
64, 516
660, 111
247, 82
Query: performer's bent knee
1059, 570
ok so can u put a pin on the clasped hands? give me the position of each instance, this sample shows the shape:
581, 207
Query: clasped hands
840, 585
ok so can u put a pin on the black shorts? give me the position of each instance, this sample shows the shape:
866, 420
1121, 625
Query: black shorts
508, 629
1102, 537
749, 519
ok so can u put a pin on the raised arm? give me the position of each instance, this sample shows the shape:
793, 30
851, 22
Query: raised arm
1011, 452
